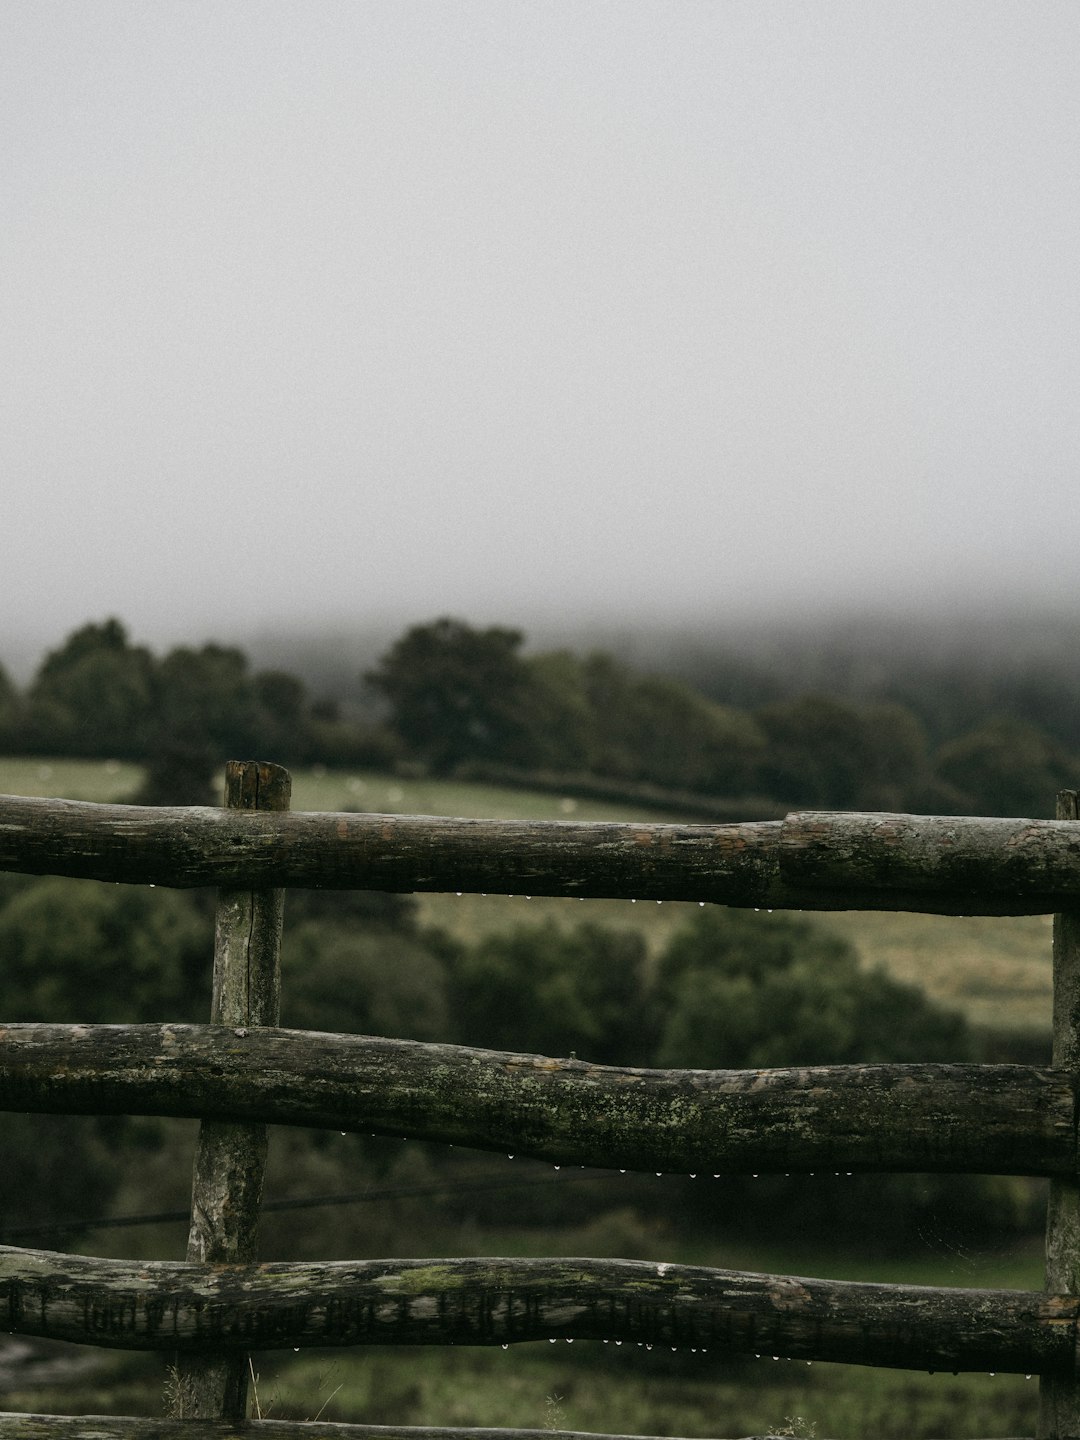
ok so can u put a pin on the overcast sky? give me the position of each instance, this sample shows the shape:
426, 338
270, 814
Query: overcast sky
343, 310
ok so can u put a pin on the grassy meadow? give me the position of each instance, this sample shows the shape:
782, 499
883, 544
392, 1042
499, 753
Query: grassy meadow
997, 971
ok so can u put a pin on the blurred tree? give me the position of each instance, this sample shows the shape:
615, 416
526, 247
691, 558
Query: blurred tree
560, 717
550, 991
597, 716
1007, 767
180, 770
75, 950
375, 981
207, 697
10, 717
95, 695
283, 718
826, 752
736, 991
683, 741
456, 694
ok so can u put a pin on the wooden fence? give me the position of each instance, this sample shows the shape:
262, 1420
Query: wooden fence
242, 1072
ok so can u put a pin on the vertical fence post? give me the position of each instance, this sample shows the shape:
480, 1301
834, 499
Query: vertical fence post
1059, 1395
230, 1157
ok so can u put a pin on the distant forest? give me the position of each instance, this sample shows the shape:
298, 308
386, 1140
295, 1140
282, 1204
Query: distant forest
846, 720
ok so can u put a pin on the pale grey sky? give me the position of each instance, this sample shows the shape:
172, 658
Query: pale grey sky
343, 310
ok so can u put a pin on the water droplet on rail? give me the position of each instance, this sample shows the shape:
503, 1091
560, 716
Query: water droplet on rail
506, 1347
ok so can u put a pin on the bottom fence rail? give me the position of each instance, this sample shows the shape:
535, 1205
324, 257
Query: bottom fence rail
185, 1308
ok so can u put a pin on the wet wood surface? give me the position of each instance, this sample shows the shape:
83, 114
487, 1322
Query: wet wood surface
988, 1119
230, 1155
161, 1306
934, 864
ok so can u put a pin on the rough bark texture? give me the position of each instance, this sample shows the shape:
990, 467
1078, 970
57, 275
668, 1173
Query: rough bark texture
230, 1157
991, 1119
1059, 1396
159, 1306
934, 864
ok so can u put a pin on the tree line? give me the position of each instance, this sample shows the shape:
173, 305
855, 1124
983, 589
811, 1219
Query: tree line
461, 700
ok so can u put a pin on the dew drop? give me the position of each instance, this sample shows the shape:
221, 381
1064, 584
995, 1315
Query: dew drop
659, 1174
506, 1347
569, 1341
693, 1175
509, 1157
618, 1342
558, 1167
296, 1349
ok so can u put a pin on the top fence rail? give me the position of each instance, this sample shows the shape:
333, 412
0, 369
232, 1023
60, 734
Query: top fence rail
811, 860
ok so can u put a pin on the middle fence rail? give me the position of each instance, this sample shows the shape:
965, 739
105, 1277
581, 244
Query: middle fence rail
999, 1119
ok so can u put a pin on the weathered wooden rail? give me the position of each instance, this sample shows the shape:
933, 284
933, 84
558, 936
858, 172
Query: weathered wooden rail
242, 1072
